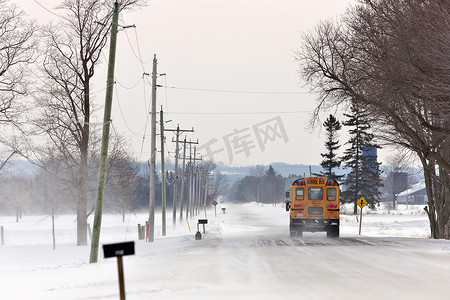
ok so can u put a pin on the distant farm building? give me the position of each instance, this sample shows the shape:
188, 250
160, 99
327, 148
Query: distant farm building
416, 195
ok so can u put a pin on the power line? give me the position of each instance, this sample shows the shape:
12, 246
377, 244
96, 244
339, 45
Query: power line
236, 91
123, 117
129, 88
55, 14
167, 104
138, 56
242, 113
147, 110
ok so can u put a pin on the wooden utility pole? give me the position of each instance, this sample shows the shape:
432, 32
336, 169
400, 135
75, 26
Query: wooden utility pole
175, 182
105, 138
199, 189
183, 179
151, 218
192, 183
206, 193
163, 174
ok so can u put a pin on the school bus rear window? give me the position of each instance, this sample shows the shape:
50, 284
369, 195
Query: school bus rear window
299, 193
315, 193
331, 193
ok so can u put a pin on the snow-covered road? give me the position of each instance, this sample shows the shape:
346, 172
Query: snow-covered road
255, 258
247, 254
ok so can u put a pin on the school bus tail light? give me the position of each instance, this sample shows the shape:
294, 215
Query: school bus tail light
300, 182
332, 183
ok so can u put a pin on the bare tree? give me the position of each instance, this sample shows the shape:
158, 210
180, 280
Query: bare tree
16, 191
378, 57
121, 186
122, 178
257, 172
218, 186
50, 192
72, 52
17, 50
204, 171
396, 180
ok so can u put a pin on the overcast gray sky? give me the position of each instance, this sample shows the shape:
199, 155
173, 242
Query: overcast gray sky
217, 47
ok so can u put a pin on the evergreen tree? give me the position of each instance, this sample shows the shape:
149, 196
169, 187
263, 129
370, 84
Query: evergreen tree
246, 189
363, 179
272, 188
330, 160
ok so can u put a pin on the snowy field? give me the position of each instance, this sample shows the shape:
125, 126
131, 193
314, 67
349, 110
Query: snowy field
245, 254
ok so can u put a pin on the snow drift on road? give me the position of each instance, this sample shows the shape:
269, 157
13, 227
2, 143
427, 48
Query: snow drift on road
245, 254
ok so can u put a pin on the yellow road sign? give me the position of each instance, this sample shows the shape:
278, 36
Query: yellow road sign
361, 202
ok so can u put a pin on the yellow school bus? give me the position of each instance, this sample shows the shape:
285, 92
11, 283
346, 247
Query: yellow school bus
313, 203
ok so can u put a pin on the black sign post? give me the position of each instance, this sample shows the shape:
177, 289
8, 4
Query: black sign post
215, 204
202, 221
118, 250
198, 235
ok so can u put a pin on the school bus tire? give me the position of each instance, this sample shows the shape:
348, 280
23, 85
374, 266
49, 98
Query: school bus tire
295, 231
333, 232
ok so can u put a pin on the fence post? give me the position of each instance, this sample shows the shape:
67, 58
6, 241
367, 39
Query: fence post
141, 232
89, 232
3, 236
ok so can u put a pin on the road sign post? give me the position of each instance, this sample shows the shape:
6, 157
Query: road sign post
118, 250
215, 204
361, 203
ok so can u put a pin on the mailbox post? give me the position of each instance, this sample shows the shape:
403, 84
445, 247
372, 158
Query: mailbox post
118, 250
198, 235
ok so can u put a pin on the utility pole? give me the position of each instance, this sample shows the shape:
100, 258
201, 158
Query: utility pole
194, 187
163, 174
190, 177
199, 188
151, 217
183, 179
192, 183
175, 182
206, 193
105, 138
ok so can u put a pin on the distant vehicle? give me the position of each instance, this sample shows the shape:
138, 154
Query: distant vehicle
314, 206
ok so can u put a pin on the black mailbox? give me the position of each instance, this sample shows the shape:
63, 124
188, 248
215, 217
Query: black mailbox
119, 249
202, 221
